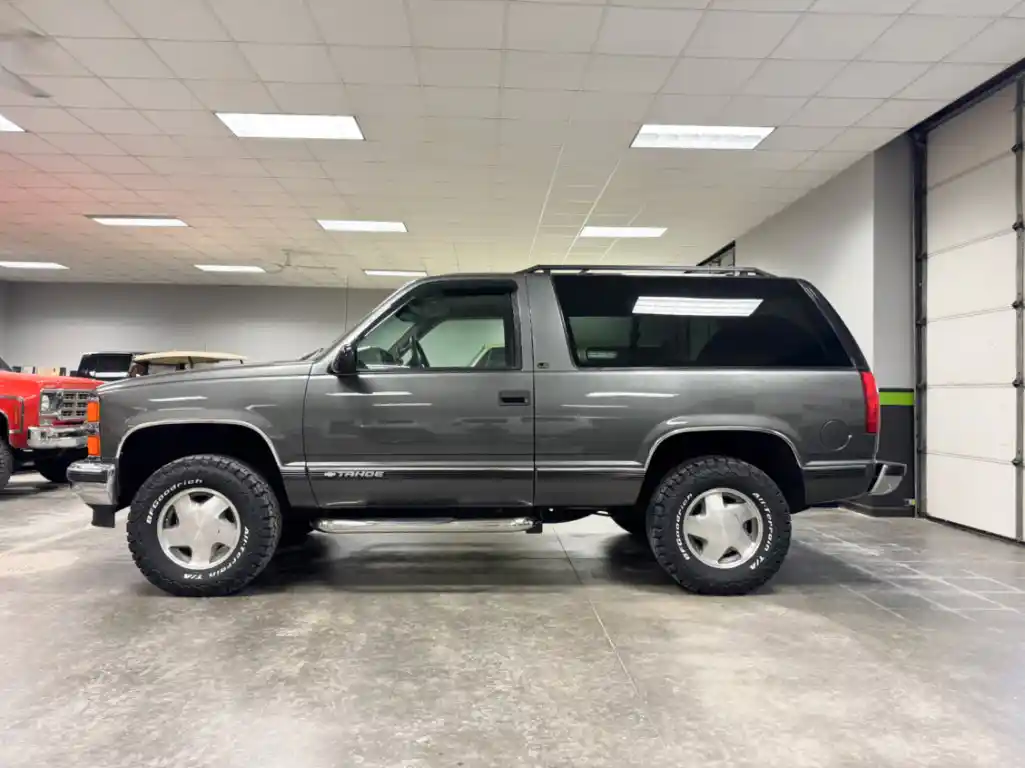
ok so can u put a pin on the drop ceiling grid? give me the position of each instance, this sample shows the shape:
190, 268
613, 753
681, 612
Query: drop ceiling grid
492, 124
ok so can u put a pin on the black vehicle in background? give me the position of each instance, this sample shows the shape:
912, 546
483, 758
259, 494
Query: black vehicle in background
106, 366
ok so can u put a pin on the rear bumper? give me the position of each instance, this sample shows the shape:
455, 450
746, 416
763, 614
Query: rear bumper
829, 482
57, 438
888, 475
95, 483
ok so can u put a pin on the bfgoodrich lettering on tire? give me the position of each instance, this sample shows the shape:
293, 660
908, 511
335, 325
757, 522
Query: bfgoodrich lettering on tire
203, 526
719, 526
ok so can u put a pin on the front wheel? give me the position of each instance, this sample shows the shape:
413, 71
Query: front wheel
719, 526
6, 463
204, 526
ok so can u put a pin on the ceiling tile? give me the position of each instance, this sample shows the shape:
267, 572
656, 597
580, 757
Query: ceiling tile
518, 103
466, 68
204, 61
113, 58
148, 146
602, 105
386, 99
83, 144
79, 92
827, 112
290, 63
1001, 43
187, 122
177, 20
362, 22
893, 7
923, 38
80, 18
639, 74
462, 102
144, 93
949, 81
793, 138
544, 70
863, 139
760, 110
832, 37
312, 98
896, 113
674, 109
456, 23
27, 144
710, 76
45, 120
761, 5
382, 66
830, 161
646, 31
739, 35
232, 96
115, 164
55, 164
552, 28
791, 78
871, 79
44, 58
267, 21
116, 121
958, 7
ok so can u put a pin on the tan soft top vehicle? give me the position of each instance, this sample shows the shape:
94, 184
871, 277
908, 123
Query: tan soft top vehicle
178, 360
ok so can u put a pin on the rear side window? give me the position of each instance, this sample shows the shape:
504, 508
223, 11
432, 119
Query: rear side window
701, 322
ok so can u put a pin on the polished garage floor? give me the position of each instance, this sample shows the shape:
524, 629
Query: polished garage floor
882, 643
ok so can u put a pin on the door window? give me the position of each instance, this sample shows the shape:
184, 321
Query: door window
453, 329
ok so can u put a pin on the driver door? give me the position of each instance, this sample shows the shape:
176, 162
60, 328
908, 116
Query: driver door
440, 410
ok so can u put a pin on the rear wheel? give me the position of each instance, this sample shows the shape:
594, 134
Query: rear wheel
55, 468
719, 526
204, 526
6, 463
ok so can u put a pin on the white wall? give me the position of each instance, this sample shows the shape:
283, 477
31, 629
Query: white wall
851, 237
53, 324
3, 318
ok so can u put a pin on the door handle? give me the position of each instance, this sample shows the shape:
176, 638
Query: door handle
514, 397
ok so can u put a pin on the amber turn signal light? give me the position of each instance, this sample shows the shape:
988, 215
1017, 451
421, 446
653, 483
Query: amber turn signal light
92, 412
92, 444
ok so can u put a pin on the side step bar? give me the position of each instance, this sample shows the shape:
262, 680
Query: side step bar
429, 525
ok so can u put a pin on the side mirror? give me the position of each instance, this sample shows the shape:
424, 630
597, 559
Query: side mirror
345, 362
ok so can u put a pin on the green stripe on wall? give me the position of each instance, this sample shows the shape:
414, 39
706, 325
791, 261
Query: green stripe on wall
896, 397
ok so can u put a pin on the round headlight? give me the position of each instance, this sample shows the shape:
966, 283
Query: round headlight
46, 403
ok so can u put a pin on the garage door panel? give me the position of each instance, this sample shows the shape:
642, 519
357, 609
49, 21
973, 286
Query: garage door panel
972, 278
980, 134
978, 349
971, 492
972, 421
979, 204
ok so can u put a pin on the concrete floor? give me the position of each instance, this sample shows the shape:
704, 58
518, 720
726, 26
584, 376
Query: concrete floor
881, 643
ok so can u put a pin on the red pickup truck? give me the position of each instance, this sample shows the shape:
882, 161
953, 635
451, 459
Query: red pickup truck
42, 420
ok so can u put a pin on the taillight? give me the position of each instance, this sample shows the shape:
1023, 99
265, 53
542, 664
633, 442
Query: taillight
871, 392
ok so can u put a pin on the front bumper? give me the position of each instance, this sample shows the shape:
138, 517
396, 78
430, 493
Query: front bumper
888, 475
95, 482
57, 438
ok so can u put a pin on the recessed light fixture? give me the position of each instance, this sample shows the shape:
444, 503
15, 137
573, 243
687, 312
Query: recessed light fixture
30, 265
617, 232
394, 273
700, 137
251, 268
9, 127
253, 126
337, 225
138, 221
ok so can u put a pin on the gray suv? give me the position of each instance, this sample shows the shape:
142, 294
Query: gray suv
698, 408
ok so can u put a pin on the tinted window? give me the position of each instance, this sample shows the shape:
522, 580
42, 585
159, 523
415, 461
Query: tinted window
704, 322
446, 330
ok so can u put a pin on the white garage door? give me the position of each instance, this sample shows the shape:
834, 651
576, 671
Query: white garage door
971, 337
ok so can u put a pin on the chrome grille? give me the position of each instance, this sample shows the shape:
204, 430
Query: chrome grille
73, 404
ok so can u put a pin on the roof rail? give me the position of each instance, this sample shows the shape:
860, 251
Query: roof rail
681, 271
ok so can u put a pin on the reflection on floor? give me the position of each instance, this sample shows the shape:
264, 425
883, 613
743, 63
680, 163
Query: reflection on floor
881, 643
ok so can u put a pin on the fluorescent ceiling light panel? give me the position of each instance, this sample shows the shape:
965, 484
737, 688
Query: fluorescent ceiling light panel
624, 232
700, 137
138, 221
394, 273
337, 225
684, 306
30, 265
253, 126
9, 127
251, 268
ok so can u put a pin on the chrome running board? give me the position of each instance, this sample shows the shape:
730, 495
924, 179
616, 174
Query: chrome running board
428, 525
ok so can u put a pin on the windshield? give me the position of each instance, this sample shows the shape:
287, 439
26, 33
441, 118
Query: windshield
348, 330
4, 366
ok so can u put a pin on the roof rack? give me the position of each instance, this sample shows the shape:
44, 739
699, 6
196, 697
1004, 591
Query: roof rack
681, 271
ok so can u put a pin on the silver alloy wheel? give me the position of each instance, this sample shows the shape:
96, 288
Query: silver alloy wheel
722, 528
198, 529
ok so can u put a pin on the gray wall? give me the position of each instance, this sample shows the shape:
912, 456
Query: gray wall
3, 317
53, 324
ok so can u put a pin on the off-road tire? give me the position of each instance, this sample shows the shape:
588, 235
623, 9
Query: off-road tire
6, 463
672, 498
55, 468
632, 520
258, 512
